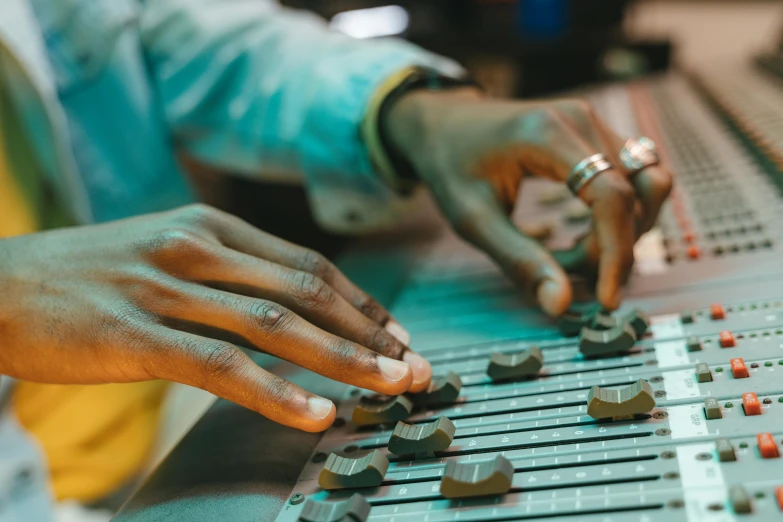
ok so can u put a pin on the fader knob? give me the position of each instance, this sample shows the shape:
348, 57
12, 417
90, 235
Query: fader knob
363, 472
601, 342
628, 401
380, 409
638, 322
515, 365
475, 479
605, 321
355, 509
577, 317
443, 390
408, 439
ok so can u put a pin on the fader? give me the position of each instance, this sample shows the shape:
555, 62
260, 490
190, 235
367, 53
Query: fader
671, 409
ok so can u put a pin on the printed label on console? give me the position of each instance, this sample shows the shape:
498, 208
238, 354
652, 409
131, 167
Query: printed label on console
680, 384
671, 354
687, 421
703, 484
667, 326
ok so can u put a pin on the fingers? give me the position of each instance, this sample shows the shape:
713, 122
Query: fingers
224, 370
652, 184
274, 329
314, 300
612, 200
243, 237
477, 216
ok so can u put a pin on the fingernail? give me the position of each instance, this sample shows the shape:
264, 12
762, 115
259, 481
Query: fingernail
400, 333
422, 371
319, 406
393, 369
549, 297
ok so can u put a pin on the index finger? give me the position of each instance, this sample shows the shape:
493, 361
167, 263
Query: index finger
477, 216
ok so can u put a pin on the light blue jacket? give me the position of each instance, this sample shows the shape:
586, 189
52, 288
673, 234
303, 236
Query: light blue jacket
109, 89
241, 84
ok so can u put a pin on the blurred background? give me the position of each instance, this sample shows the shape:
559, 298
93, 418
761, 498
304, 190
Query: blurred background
523, 48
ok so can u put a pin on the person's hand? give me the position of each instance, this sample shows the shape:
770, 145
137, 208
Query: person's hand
172, 295
473, 153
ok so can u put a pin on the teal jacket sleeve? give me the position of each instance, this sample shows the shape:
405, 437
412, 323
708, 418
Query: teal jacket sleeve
274, 93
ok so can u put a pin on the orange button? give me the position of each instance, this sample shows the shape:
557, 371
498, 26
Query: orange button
727, 339
694, 252
738, 368
688, 237
779, 496
751, 404
768, 447
717, 313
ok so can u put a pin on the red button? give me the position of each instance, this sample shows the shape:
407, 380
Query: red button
694, 252
738, 368
751, 404
717, 313
727, 339
768, 447
779, 496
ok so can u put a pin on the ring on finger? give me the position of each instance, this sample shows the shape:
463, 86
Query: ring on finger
638, 154
587, 169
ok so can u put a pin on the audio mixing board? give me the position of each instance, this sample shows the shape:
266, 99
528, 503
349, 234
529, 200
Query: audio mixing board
671, 409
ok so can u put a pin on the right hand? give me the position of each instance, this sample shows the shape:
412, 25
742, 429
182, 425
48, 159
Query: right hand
171, 295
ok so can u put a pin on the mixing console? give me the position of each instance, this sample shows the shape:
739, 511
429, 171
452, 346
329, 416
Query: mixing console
670, 409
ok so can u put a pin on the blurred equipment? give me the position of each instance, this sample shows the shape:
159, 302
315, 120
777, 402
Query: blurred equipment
513, 47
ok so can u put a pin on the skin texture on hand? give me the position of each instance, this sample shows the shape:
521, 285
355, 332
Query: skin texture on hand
172, 296
474, 153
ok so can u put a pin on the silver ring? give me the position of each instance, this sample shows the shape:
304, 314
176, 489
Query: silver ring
586, 170
638, 154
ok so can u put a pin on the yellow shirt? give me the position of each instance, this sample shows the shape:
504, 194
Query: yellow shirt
95, 438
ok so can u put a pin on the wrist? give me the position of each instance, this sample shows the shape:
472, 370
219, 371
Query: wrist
411, 122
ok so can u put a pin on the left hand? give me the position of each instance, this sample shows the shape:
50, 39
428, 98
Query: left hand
474, 152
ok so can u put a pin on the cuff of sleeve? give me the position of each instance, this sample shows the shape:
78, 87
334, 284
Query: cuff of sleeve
369, 128
348, 187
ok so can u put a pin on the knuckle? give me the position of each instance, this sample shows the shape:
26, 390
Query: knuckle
466, 222
175, 241
124, 321
316, 264
311, 289
268, 316
276, 390
343, 354
383, 343
199, 215
665, 182
622, 192
371, 308
219, 359
575, 107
